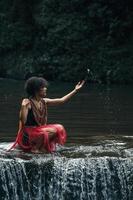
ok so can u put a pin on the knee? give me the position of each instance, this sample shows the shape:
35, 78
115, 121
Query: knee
60, 126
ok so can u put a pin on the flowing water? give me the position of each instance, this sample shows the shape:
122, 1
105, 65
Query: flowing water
96, 163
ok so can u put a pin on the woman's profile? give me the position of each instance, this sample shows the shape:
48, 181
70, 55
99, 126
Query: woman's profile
34, 134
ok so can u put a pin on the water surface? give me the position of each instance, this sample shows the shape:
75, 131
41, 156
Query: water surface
96, 163
94, 110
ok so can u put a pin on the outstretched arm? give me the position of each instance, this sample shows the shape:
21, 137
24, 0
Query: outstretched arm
66, 97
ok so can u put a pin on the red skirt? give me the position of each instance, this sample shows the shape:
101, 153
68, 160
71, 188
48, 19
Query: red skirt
30, 137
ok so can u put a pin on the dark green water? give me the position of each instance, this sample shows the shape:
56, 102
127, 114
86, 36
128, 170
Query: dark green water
95, 110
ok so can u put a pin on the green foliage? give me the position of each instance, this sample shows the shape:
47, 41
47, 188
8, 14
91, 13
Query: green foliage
60, 39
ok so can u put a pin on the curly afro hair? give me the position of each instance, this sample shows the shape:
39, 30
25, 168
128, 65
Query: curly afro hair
34, 84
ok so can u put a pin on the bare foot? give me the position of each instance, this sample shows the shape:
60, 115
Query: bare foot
43, 150
35, 151
38, 151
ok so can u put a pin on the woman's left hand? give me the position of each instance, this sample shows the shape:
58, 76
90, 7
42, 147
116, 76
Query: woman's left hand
79, 85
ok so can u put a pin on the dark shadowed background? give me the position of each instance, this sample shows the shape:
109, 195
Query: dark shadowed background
59, 39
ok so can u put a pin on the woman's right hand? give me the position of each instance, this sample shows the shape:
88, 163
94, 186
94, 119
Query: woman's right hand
79, 85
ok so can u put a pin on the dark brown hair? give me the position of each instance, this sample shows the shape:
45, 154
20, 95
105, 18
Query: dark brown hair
33, 85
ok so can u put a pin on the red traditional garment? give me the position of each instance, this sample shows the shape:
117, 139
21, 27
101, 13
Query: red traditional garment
30, 137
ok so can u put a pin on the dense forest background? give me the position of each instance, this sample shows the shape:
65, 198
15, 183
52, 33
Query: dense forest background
59, 39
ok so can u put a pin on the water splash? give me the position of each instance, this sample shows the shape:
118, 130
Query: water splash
84, 172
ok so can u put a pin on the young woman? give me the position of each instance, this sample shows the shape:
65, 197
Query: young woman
34, 134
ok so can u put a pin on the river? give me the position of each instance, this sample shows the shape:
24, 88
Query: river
96, 163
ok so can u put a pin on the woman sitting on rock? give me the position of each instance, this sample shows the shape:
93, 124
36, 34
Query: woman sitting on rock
34, 134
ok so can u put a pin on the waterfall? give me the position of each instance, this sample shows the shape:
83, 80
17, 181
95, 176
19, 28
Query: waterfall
61, 178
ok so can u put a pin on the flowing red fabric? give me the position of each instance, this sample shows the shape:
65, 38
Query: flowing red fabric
37, 134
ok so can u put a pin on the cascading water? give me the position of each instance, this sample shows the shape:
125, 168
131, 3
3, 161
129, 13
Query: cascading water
100, 171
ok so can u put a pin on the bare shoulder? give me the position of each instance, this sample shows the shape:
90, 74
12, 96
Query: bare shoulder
25, 102
46, 100
53, 102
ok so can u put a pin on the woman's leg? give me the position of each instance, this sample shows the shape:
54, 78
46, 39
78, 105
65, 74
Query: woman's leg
51, 130
51, 134
36, 145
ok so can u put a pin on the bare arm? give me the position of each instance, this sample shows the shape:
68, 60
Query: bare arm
66, 97
23, 112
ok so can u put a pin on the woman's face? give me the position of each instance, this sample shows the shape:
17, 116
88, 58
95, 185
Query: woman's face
42, 92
